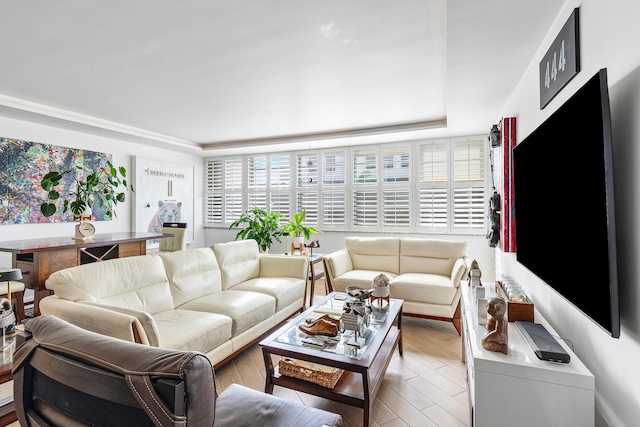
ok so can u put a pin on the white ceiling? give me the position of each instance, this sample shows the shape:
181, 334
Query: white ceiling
214, 77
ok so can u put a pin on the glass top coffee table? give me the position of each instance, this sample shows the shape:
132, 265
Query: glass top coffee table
363, 356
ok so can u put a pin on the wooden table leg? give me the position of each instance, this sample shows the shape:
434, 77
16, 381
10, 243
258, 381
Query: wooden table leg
268, 365
313, 283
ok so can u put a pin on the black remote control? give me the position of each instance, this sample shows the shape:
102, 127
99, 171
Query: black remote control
543, 344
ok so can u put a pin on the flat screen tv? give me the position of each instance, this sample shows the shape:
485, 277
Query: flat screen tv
564, 204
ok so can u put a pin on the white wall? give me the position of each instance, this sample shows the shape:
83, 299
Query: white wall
123, 153
609, 36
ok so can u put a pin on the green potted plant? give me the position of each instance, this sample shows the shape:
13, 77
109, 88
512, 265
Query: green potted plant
261, 226
298, 231
103, 187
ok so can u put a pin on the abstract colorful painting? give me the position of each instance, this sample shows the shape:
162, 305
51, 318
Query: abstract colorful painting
22, 166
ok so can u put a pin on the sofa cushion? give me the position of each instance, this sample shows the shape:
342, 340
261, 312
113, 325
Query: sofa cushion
374, 253
239, 261
139, 282
361, 278
192, 330
192, 273
244, 308
286, 290
430, 255
422, 287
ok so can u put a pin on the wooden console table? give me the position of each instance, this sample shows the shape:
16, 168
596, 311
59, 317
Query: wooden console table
38, 258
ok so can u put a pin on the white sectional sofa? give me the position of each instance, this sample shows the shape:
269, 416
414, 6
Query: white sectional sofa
425, 273
215, 300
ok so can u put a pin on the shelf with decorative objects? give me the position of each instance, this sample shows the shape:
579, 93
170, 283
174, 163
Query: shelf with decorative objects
517, 388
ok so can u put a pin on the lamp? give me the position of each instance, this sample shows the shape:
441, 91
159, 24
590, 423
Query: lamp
7, 318
494, 136
286, 242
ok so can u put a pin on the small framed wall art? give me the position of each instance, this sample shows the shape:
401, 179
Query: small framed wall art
561, 63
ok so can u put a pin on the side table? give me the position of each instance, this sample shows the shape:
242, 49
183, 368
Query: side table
313, 275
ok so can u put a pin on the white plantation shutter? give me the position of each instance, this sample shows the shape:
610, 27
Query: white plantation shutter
396, 209
432, 208
213, 185
308, 201
365, 208
334, 209
257, 172
469, 186
232, 207
468, 161
396, 189
366, 190
213, 210
434, 186
395, 164
307, 170
281, 202
233, 185
214, 175
233, 174
468, 207
334, 168
280, 170
432, 161
257, 200
333, 189
365, 165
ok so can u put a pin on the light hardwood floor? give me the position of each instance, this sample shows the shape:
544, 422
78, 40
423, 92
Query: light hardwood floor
424, 387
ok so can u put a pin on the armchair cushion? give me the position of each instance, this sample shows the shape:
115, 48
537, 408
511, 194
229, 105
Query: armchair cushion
239, 406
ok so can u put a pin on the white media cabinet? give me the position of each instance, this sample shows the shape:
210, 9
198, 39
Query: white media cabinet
518, 389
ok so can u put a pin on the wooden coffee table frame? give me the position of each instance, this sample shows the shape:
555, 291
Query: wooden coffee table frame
362, 377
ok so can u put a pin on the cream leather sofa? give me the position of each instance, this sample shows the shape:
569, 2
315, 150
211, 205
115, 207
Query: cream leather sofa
214, 300
425, 273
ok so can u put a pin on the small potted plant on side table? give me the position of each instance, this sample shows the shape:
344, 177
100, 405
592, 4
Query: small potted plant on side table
298, 231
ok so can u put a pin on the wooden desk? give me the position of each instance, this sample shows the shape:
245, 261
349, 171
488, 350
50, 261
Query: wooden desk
38, 258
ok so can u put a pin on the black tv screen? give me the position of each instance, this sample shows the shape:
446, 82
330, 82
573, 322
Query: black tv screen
564, 204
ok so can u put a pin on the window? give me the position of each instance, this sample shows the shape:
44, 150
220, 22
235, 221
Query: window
429, 186
333, 190
468, 183
433, 186
396, 190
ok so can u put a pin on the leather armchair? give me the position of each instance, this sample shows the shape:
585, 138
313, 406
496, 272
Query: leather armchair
68, 376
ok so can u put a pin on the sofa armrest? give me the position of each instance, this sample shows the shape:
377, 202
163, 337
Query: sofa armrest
145, 320
338, 263
97, 318
459, 270
284, 266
